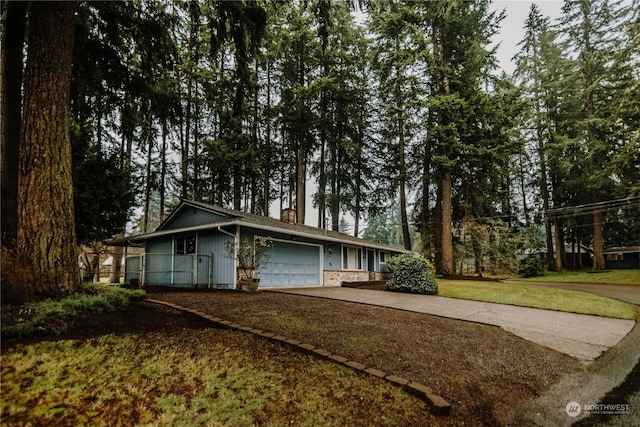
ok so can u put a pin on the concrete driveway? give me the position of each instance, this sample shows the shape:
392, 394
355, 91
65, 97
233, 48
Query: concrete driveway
581, 336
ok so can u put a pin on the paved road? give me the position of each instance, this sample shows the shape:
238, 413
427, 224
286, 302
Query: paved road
627, 293
582, 336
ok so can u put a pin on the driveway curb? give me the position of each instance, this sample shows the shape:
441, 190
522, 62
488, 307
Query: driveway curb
437, 404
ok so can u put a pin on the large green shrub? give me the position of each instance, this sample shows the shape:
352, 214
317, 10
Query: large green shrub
411, 274
531, 266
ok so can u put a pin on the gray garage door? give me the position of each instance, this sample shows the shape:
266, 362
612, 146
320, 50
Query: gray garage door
291, 265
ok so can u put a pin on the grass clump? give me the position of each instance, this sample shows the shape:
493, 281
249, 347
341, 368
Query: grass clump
51, 315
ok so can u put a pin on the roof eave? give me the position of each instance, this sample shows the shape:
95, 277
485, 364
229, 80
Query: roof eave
141, 238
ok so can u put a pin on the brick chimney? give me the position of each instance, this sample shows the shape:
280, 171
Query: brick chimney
288, 215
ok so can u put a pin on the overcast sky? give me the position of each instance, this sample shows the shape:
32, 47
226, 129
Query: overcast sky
512, 28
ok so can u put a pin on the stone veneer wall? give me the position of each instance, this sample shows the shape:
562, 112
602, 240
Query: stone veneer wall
336, 277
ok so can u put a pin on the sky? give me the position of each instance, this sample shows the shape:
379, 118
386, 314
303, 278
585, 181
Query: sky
512, 31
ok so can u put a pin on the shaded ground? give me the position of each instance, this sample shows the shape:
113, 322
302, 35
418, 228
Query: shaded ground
483, 371
159, 366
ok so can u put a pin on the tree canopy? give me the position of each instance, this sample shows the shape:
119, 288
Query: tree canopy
383, 113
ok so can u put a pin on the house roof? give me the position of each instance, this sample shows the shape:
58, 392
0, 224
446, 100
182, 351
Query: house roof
233, 217
622, 249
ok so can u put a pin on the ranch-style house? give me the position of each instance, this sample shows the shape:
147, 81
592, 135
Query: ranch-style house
190, 249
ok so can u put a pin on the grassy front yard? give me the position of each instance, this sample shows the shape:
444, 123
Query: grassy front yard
156, 366
611, 277
192, 377
536, 297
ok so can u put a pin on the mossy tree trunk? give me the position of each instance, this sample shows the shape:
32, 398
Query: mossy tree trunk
46, 229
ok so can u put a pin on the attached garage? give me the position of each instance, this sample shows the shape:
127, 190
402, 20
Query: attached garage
291, 264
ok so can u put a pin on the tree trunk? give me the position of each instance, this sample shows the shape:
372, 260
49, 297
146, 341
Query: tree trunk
425, 229
358, 195
267, 155
437, 230
523, 190
46, 229
544, 192
163, 170
598, 250
334, 203
559, 244
13, 30
448, 267
149, 181
301, 177
404, 217
477, 255
598, 247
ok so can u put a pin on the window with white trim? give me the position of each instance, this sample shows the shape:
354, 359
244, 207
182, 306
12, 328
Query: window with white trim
185, 245
351, 258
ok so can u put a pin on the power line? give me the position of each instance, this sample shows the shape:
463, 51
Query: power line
590, 207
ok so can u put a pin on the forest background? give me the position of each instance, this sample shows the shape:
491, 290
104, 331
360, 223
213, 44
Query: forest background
395, 111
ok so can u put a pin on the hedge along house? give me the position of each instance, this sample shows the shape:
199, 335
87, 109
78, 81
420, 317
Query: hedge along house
189, 249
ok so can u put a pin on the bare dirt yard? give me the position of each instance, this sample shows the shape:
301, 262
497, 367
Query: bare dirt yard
485, 373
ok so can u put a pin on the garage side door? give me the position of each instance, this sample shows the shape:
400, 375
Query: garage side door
291, 265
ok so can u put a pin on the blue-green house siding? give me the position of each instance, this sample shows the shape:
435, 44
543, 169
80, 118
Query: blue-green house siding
191, 216
158, 262
332, 256
210, 265
213, 246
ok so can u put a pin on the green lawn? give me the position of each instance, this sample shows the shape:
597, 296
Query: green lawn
611, 277
192, 377
536, 297
178, 376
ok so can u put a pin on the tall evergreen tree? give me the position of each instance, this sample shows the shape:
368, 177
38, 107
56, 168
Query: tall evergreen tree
533, 69
397, 51
46, 229
588, 25
460, 34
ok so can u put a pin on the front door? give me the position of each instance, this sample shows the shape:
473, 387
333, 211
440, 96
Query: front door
371, 260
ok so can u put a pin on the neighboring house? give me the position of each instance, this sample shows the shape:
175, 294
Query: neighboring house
189, 249
576, 256
622, 257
